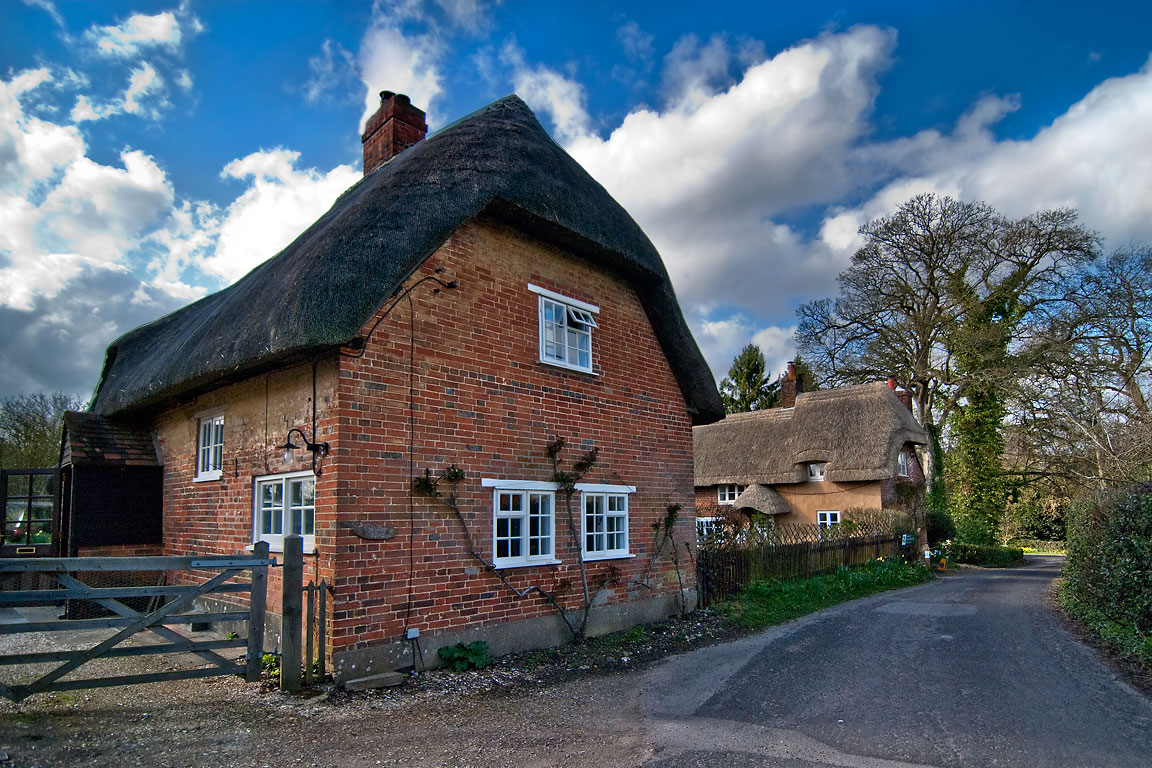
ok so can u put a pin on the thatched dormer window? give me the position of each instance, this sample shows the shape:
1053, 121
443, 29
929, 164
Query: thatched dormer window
816, 471
902, 464
565, 330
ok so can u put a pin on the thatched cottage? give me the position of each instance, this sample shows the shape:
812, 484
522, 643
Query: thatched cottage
821, 454
474, 297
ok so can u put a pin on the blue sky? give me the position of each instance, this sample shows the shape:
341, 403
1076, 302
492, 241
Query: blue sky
151, 152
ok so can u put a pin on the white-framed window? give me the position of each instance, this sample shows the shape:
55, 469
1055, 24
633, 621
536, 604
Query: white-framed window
816, 472
565, 330
523, 528
209, 445
726, 494
902, 464
605, 525
827, 518
285, 504
708, 528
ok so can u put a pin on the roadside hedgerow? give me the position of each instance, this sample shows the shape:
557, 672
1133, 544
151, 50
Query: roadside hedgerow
1108, 577
982, 555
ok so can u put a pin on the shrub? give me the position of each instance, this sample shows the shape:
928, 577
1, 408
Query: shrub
982, 555
1109, 567
464, 656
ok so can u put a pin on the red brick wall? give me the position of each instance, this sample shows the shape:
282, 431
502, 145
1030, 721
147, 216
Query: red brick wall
215, 517
121, 550
481, 400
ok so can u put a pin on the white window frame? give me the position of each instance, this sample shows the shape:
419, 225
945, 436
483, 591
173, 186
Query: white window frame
707, 527
600, 523
728, 493
826, 518
576, 321
286, 480
816, 471
523, 497
209, 456
903, 465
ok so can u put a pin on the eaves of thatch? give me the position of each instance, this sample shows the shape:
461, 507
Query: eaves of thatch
317, 294
857, 431
762, 499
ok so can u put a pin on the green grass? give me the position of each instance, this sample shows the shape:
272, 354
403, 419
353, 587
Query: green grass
764, 603
1121, 637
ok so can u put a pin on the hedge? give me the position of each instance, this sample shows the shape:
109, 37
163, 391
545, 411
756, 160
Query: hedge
978, 554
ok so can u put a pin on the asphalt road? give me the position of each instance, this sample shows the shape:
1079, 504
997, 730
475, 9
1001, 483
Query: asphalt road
975, 669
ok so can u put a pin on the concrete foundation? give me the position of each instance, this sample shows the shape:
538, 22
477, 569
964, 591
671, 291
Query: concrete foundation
542, 632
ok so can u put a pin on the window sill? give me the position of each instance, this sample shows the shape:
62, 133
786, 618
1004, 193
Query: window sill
566, 367
210, 477
278, 549
621, 556
507, 566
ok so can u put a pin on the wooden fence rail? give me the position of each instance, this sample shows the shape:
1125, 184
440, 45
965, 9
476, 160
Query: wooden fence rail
721, 572
173, 603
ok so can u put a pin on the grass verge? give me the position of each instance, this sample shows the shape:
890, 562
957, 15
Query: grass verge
765, 603
1121, 638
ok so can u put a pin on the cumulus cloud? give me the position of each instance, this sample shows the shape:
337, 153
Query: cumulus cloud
562, 98
279, 203
706, 176
140, 32
394, 57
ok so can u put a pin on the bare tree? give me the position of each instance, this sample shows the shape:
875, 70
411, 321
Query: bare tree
31, 427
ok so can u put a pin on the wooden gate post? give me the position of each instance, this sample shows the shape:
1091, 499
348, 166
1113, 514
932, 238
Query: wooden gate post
256, 606
291, 659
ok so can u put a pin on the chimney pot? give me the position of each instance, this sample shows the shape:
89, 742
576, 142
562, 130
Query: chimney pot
891, 383
396, 126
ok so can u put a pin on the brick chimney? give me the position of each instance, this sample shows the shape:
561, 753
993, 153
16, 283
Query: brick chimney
789, 387
904, 395
396, 126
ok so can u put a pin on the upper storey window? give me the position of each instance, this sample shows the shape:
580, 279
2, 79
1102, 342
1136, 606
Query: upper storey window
565, 330
209, 445
816, 472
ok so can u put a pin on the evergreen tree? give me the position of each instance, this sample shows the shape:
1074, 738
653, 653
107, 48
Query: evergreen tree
747, 386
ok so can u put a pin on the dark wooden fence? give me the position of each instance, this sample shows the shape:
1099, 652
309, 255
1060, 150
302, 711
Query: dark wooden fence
789, 552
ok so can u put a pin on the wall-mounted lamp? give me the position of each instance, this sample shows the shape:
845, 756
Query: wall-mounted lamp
316, 449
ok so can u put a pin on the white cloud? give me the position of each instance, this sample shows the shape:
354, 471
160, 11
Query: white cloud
637, 43
545, 89
280, 203
395, 60
1093, 158
69, 227
138, 32
184, 79
145, 96
48, 7
706, 176
333, 69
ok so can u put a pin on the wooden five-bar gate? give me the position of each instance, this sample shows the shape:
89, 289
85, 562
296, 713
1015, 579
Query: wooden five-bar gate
163, 605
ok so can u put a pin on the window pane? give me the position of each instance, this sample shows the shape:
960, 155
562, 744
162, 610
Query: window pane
15, 510
42, 485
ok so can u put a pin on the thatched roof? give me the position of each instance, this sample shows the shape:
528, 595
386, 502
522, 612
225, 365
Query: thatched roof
317, 293
90, 439
762, 499
858, 431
